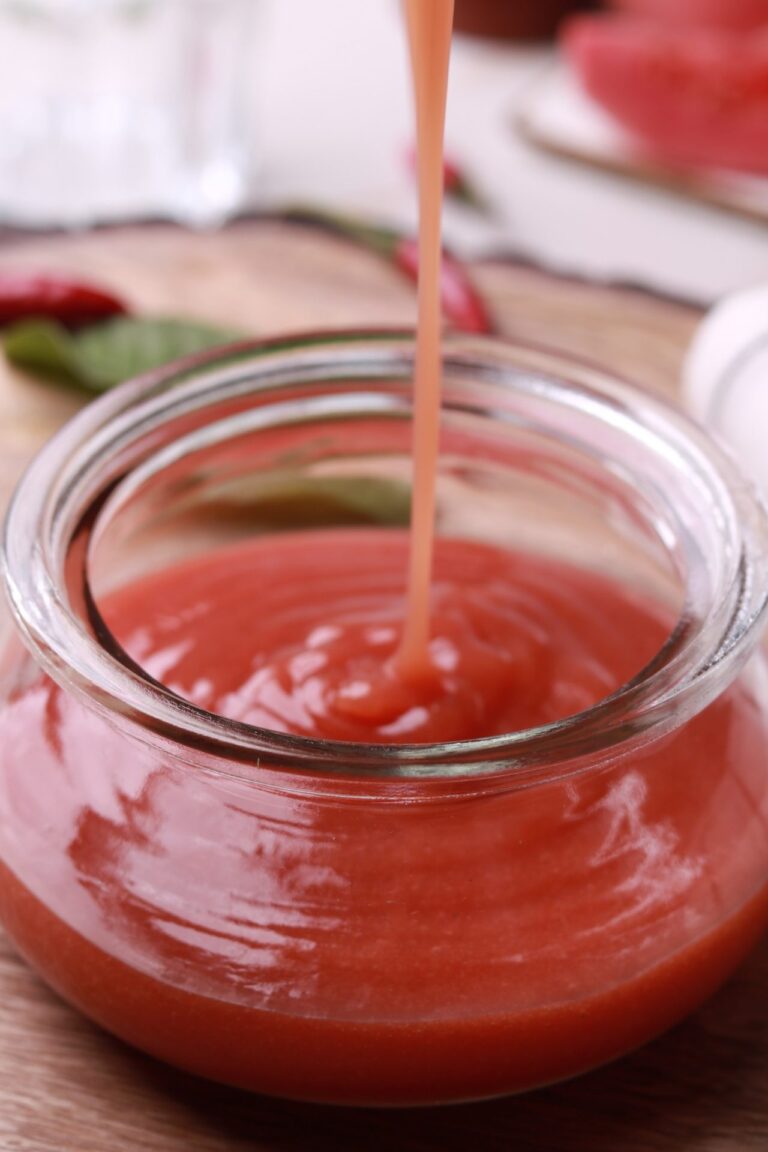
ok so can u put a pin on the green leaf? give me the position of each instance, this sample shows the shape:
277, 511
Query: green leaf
102, 355
44, 348
383, 241
298, 500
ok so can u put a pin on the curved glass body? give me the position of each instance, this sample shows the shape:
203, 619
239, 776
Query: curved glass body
376, 924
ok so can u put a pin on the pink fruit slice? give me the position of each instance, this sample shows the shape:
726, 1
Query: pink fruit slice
693, 97
733, 14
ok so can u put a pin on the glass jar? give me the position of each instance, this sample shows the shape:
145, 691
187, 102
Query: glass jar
125, 108
379, 924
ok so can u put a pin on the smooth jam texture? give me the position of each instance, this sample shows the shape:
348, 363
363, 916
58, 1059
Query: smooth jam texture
300, 634
378, 950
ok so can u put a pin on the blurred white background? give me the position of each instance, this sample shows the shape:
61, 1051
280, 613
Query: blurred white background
336, 118
317, 93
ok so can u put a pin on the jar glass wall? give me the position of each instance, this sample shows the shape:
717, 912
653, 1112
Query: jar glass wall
381, 923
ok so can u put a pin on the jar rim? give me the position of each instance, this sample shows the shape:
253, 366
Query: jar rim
43, 514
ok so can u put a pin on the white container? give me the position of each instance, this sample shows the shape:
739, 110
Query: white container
125, 108
726, 378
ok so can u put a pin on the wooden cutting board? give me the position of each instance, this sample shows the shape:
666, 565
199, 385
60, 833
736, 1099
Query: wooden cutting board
64, 1085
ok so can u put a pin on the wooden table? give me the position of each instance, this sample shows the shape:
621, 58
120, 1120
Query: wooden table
64, 1085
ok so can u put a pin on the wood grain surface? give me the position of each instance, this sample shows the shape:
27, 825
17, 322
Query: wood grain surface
64, 1085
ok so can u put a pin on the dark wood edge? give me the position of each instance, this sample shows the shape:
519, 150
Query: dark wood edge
512, 258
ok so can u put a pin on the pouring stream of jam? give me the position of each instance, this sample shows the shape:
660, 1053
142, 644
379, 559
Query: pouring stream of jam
430, 24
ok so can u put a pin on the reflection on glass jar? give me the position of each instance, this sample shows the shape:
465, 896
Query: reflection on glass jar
379, 923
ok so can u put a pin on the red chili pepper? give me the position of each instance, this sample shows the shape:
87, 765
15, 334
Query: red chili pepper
24, 295
455, 182
461, 302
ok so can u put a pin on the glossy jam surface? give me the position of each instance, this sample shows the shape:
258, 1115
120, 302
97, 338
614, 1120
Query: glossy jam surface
300, 634
380, 950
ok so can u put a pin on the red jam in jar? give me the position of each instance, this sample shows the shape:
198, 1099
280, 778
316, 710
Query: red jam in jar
232, 834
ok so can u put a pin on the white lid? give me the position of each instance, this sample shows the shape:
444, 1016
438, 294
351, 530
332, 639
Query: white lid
725, 378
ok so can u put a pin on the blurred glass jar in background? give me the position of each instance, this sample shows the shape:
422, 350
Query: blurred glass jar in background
124, 108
